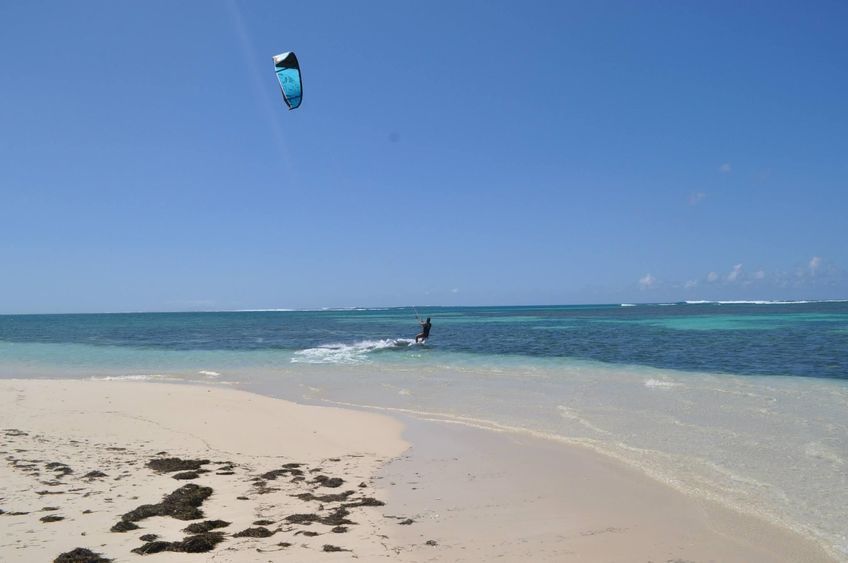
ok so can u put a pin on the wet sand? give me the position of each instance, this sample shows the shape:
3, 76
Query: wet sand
485, 496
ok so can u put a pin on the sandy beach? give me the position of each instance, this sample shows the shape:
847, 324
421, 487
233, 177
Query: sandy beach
193, 473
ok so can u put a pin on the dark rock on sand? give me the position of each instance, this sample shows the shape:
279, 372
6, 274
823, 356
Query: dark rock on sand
81, 555
185, 475
94, 475
263, 522
148, 537
339, 530
328, 547
51, 518
406, 522
205, 526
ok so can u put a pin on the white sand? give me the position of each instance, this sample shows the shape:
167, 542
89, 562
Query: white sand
479, 496
83, 423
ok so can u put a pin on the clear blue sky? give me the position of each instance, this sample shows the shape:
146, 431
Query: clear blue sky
445, 153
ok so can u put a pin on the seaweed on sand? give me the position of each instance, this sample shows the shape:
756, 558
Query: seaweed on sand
81, 555
364, 501
259, 532
205, 526
171, 464
198, 543
182, 504
336, 518
324, 498
331, 482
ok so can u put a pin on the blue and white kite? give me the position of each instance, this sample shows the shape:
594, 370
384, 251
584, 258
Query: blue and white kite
288, 74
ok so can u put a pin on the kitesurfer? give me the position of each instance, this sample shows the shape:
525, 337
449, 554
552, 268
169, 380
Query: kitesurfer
425, 331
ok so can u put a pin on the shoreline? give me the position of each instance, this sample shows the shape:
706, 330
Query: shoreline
489, 495
474, 494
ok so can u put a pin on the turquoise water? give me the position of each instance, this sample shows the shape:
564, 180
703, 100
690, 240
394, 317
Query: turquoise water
742, 403
801, 339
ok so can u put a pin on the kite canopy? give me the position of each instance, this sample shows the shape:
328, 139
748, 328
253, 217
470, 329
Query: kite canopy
288, 74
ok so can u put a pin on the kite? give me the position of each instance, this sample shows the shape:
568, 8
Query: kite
288, 74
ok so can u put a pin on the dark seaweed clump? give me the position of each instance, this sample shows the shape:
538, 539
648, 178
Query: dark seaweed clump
148, 537
325, 498
259, 532
81, 555
337, 518
123, 526
328, 547
170, 464
364, 501
51, 518
182, 504
60, 468
205, 526
94, 475
186, 475
331, 482
288, 469
199, 543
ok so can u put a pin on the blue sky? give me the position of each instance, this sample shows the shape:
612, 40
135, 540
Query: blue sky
445, 153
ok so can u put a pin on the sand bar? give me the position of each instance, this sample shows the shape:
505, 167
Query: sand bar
285, 480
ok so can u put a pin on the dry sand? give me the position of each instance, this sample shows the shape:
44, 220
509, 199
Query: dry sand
459, 494
116, 428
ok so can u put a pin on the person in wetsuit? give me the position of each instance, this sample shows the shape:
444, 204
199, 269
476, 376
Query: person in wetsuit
425, 331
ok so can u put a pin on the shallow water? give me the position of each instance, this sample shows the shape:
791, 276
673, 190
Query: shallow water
746, 404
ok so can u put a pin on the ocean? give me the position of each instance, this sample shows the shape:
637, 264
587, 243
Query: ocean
745, 403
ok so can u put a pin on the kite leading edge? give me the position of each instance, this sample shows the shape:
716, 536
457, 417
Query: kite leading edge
288, 74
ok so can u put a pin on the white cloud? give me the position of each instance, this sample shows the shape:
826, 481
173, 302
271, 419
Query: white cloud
712, 276
696, 197
725, 168
815, 263
690, 284
455, 290
759, 274
647, 281
734, 273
